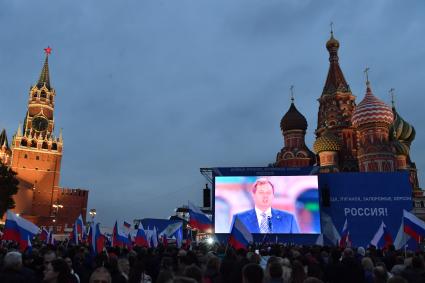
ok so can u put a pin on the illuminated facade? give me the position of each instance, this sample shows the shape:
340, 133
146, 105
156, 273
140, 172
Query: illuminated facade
368, 137
35, 154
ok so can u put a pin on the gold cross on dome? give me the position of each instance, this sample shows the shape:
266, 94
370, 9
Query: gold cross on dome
292, 93
366, 71
391, 92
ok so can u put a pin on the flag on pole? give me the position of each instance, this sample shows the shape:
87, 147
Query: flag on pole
154, 237
44, 235
413, 226
19, 229
141, 238
382, 238
240, 237
345, 236
198, 219
119, 238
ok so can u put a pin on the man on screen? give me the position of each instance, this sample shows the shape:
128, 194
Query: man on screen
263, 218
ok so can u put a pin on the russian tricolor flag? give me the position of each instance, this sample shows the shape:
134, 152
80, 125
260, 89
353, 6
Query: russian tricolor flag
44, 235
413, 226
198, 219
240, 237
19, 230
345, 236
96, 239
119, 238
382, 238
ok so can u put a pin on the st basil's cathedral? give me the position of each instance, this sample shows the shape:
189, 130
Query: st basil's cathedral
366, 137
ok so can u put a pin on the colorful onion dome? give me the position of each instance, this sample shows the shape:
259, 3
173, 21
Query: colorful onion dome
371, 110
332, 43
327, 142
293, 120
402, 130
400, 147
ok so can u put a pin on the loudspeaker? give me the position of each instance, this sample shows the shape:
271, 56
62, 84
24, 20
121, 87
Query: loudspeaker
326, 196
207, 196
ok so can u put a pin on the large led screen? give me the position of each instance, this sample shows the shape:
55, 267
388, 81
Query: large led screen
268, 204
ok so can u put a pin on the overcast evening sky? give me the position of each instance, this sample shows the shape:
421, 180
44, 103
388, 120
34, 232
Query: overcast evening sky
150, 91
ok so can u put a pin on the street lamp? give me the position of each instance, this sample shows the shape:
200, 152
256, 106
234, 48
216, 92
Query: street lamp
92, 213
56, 207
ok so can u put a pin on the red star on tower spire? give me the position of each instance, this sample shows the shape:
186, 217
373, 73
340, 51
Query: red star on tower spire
48, 50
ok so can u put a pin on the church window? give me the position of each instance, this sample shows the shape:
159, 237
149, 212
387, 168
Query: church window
54, 146
43, 94
37, 157
35, 94
44, 146
24, 143
25, 156
33, 143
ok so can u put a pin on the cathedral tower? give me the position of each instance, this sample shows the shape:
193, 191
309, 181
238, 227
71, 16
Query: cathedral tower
36, 152
336, 106
373, 118
294, 153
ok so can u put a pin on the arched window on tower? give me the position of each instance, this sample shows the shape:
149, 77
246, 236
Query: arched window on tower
34, 94
33, 143
44, 145
43, 94
24, 142
54, 146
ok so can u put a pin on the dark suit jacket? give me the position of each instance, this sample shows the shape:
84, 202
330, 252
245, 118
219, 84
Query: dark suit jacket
281, 221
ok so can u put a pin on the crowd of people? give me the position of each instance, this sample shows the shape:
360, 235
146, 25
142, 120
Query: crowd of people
272, 263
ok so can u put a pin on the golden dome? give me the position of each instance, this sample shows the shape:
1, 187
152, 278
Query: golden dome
332, 42
327, 142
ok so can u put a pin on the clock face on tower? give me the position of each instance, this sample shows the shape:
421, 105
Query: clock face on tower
40, 123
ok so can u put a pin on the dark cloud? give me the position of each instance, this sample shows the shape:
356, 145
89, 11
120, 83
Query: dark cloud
149, 91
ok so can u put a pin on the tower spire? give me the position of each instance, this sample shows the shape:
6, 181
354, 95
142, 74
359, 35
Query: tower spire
44, 76
292, 93
391, 92
335, 80
19, 131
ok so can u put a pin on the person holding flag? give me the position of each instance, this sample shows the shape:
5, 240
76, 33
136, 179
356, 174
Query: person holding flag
240, 237
345, 241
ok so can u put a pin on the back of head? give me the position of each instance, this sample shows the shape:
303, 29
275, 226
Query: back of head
275, 270
13, 260
194, 272
60, 266
100, 274
417, 262
252, 273
312, 280
367, 264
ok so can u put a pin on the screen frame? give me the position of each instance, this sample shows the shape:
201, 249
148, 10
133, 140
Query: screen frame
265, 171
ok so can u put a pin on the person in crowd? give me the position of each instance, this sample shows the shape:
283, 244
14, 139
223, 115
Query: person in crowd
57, 271
263, 218
397, 279
275, 272
12, 265
415, 273
124, 268
367, 265
100, 275
69, 262
193, 272
352, 271
252, 273
212, 271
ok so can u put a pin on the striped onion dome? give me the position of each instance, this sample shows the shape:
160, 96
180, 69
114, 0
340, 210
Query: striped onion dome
402, 130
327, 142
371, 110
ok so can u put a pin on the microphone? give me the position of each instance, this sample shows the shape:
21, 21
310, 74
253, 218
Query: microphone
269, 221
